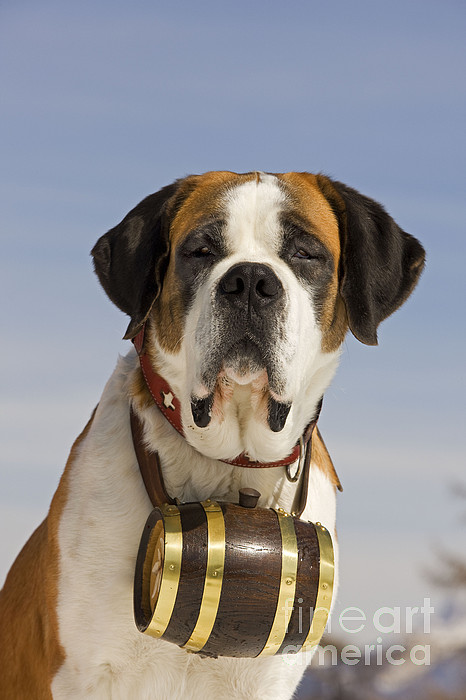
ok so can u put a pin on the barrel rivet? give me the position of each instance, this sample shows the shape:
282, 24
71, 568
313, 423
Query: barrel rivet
172, 567
214, 573
288, 581
325, 585
318, 524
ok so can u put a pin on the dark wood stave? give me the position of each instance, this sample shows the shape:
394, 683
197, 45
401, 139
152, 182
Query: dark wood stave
250, 583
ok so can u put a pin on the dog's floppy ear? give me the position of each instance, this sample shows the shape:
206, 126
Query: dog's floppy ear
130, 260
380, 263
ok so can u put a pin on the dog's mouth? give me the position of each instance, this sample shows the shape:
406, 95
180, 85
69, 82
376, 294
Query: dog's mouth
244, 364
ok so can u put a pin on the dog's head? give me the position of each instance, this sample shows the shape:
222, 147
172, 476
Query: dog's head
248, 284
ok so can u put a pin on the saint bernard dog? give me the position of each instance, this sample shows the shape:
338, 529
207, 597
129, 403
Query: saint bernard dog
244, 286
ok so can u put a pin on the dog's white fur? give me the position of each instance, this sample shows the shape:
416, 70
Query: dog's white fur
107, 505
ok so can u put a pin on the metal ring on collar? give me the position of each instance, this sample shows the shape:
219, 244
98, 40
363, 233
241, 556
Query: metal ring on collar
293, 479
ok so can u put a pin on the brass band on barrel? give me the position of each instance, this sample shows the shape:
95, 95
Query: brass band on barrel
325, 590
171, 571
213, 578
287, 589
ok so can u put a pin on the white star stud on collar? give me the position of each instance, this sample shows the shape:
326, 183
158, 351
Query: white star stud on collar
168, 400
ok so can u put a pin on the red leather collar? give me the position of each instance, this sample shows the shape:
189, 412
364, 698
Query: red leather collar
170, 406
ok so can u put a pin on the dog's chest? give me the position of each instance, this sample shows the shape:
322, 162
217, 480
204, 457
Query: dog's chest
107, 506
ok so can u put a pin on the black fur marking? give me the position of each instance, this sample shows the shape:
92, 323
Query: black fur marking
315, 268
201, 249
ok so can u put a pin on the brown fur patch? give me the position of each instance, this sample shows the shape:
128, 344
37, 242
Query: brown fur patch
30, 648
323, 461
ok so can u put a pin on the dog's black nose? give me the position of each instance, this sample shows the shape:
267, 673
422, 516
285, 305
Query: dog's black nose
250, 285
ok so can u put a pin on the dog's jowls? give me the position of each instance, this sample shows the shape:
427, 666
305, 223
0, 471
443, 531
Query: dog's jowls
247, 285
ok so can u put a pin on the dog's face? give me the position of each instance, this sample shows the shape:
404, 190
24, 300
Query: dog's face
248, 284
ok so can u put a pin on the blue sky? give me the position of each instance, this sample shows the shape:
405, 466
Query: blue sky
105, 102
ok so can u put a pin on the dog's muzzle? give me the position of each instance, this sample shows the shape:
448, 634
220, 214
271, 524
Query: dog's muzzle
249, 306
233, 580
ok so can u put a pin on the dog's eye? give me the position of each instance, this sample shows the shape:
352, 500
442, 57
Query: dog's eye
302, 254
202, 252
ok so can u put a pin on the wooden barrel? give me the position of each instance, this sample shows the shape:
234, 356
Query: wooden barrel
226, 580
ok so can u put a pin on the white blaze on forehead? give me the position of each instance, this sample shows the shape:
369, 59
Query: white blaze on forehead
252, 216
